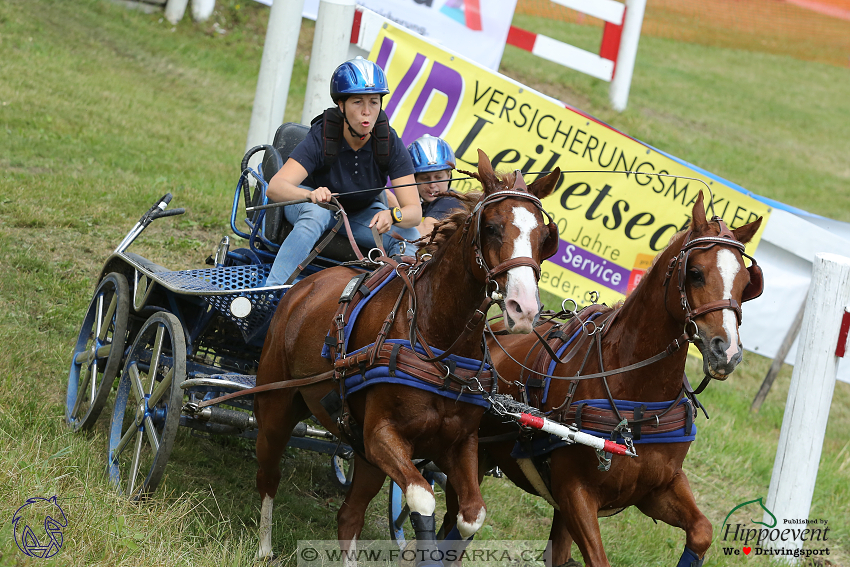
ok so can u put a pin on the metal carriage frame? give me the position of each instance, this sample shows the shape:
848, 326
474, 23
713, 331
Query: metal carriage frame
163, 338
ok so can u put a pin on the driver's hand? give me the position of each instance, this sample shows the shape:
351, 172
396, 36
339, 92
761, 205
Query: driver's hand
383, 221
320, 195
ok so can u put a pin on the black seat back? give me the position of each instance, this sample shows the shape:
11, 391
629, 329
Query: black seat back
289, 135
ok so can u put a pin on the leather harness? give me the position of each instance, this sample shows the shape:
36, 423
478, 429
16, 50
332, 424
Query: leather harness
676, 415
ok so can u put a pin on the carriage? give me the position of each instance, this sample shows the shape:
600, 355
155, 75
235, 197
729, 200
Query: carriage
188, 342
165, 340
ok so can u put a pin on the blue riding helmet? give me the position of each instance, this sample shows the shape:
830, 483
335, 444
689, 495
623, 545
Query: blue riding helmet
358, 76
431, 154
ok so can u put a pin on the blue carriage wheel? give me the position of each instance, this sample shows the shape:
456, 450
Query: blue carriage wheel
147, 408
398, 512
343, 470
98, 352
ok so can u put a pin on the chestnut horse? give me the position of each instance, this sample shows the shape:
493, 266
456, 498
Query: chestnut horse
706, 264
506, 229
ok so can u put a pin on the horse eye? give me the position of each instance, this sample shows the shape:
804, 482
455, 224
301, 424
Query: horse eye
493, 230
695, 274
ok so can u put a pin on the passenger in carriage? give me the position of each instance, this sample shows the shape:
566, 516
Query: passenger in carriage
360, 161
434, 160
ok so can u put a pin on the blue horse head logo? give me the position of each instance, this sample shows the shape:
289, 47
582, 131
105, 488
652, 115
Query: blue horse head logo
54, 520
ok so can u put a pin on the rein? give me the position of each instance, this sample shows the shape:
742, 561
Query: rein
677, 264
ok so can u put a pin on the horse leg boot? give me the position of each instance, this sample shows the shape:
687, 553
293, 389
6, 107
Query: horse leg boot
277, 414
675, 505
365, 484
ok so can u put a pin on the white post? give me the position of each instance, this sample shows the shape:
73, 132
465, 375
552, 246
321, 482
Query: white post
625, 65
174, 10
795, 469
202, 9
330, 49
275, 71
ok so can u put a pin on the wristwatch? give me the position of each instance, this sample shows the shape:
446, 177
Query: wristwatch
396, 213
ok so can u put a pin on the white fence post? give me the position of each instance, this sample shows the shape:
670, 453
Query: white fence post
202, 9
330, 48
795, 469
625, 67
174, 10
275, 71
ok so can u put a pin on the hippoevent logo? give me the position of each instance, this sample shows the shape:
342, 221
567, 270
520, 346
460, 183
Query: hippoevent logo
38, 512
752, 537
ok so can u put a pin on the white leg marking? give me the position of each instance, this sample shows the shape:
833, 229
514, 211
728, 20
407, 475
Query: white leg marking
420, 499
728, 265
265, 550
466, 529
351, 556
522, 286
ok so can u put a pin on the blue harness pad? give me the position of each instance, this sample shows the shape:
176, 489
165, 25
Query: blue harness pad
326, 350
381, 375
544, 445
560, 353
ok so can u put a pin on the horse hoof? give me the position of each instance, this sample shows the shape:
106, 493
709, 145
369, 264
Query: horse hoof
571, 563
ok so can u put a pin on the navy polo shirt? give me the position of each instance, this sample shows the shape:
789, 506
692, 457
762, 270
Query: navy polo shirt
353, 170
441, 207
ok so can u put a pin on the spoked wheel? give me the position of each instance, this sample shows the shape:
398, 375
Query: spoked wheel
98, 352
401, 531
147, 407
342, 469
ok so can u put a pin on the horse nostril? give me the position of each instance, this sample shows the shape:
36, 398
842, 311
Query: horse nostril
717, 346
514, 306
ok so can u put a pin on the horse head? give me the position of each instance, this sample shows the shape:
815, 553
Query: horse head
512, 235
713, 282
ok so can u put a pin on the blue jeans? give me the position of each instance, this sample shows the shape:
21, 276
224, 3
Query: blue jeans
310, 223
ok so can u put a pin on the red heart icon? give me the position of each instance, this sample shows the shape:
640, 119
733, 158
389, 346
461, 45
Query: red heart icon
747, 550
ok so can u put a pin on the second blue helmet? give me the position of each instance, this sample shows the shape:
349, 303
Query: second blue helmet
431, 154
358, 76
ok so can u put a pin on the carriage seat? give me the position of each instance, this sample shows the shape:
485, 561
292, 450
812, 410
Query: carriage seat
289, 135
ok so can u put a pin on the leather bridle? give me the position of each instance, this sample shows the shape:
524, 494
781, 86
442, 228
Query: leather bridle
519, 190
679, 265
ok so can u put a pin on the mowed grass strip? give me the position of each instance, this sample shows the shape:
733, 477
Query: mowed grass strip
102, 110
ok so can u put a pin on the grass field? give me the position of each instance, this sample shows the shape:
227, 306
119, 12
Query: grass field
102, 110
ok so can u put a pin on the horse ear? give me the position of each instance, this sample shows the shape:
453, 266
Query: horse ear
744, 234
698, 215
489, 181
542, 187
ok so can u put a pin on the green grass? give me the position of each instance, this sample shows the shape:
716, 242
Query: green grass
103, 109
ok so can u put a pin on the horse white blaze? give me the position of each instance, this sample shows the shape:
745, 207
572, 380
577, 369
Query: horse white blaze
521, 297
420, 499
728, 265
467, 529
266, 528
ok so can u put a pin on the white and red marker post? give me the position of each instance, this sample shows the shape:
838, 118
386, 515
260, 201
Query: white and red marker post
615, 61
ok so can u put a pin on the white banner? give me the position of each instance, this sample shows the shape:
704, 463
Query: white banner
476, 29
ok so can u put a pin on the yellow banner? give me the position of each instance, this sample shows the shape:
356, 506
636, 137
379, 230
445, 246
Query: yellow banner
611, 224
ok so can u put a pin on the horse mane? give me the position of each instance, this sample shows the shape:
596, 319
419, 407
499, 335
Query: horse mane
617, 305
446, 228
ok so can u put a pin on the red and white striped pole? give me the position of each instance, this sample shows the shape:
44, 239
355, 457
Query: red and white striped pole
573, 435
615, 61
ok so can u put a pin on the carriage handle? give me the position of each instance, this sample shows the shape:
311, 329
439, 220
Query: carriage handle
155, 212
